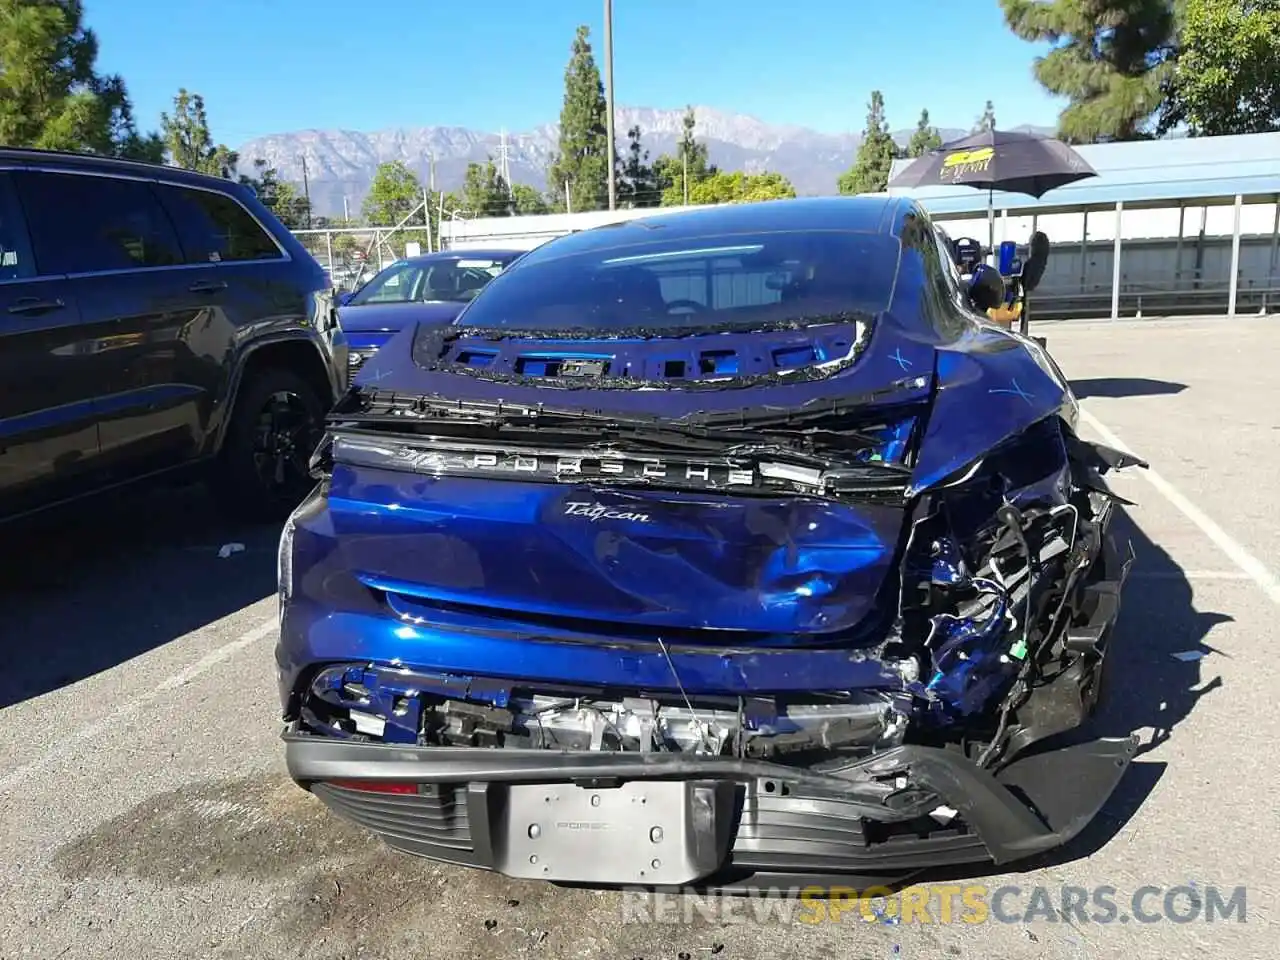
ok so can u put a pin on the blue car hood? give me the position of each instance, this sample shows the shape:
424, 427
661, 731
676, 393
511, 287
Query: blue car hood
419, 528
395, 316
979, 385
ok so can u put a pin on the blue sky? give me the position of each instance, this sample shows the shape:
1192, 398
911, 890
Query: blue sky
270, 66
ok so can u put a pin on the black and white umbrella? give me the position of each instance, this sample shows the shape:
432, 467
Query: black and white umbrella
992, 160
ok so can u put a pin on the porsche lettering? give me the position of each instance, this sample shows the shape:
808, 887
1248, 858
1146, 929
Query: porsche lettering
577, 467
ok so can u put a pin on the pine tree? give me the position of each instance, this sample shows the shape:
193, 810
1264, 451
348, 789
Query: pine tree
691, 155
987, 122
696, 153
582, 160
925, 138
1111, 59
485, 192
876, 153
188, 141
638, 186
50, 94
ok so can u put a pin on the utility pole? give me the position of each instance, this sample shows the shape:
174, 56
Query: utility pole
504, 170
346, 210
306, 188
684, 153
426, 216
608, 72
504, 161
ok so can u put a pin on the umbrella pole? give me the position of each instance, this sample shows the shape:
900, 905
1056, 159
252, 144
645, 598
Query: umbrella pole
991, 225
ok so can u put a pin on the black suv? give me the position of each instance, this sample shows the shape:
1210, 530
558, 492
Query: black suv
154, 320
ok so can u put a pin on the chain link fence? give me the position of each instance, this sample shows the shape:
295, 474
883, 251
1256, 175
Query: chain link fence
351, 255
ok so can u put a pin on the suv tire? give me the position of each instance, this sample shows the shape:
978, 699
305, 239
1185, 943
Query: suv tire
277, 420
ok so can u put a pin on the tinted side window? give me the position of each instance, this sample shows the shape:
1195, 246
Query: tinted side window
215, 227
15, 257
80, 224
951, 272
941, 279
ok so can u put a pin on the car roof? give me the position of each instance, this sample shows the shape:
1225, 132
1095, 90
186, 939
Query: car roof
492, 253
871, 213
93, 163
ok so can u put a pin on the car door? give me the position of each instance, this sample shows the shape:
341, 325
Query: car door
130, 276
251, 288
50, 376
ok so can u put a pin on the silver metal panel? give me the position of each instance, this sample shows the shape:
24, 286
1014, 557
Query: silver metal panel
642, 832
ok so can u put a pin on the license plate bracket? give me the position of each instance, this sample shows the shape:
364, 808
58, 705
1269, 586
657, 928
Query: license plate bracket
647, 832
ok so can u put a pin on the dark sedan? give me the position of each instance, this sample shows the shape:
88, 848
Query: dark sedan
432, 288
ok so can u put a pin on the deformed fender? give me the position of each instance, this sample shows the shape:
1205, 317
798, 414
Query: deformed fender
991, 385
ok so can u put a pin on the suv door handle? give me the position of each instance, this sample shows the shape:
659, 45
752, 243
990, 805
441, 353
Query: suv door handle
35, 305
208, 286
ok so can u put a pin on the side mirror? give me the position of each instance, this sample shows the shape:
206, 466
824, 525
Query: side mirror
986, 288
345, 297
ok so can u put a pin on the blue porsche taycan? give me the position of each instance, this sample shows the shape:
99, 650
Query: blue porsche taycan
729, 547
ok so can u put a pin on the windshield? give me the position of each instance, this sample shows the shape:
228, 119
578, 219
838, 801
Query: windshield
454, 280
706, 281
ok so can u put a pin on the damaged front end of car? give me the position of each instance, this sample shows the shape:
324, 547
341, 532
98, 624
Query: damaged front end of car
813, 580
715, 656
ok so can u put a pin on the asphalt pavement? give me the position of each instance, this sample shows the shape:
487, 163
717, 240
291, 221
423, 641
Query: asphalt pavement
145, 812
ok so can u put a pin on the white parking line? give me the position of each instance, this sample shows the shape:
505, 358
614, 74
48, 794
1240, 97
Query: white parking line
1189, 575
70, 743
1249, 565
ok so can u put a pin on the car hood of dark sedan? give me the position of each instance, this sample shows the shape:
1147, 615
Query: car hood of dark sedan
396, 316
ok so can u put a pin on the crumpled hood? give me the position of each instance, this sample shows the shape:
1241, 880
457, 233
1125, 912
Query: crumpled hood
427, 532
785, 368
395, 316
983, 385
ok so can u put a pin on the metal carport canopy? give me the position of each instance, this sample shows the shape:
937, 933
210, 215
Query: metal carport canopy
1140, 174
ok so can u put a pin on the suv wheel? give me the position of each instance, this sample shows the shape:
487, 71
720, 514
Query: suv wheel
277, 421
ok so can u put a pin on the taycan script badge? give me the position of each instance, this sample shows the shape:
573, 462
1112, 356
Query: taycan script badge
598, 511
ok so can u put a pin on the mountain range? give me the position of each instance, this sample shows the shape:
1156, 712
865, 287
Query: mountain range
340, 163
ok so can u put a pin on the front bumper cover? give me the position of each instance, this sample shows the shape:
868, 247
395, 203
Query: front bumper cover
772, 825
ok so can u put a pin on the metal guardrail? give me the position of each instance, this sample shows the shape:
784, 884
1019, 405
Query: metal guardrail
1153, 296
1137, 307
